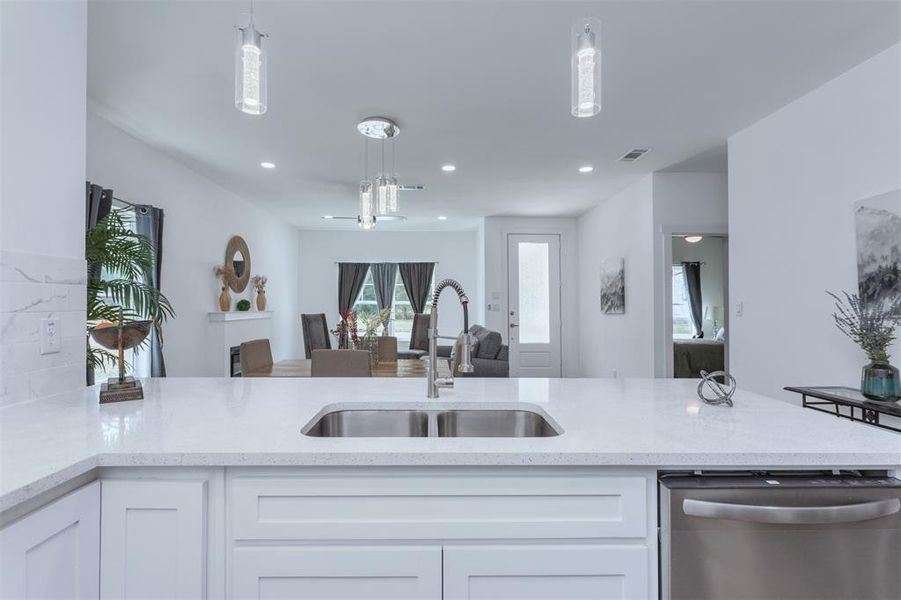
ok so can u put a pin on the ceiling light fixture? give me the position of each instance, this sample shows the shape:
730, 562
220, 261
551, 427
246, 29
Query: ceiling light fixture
448, 168
693, 239
386, 188
267, 165
586, 169
251, 85
442, 218
327, 217
586, 68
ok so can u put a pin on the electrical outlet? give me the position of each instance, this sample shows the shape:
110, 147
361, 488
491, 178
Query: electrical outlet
50, 336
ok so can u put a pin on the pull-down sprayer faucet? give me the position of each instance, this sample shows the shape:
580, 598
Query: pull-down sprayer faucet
435, 382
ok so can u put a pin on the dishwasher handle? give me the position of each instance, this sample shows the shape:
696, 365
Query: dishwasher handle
792, 515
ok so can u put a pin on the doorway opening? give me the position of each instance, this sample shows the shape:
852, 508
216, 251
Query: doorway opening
698, 309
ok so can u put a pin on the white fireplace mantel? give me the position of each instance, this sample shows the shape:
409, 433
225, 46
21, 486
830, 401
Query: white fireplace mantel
226, 330
237, 315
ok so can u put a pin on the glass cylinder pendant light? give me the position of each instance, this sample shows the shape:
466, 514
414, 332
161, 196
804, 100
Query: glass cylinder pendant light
381, 187
381, 194
586, 67
366, 219
393, 190
393, 187
251, 86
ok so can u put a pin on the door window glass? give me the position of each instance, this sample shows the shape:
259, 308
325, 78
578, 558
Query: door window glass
534, 293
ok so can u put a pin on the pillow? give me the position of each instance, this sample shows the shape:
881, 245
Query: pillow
488, 342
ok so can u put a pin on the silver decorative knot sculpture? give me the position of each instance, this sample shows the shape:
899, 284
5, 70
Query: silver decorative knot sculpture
713, 392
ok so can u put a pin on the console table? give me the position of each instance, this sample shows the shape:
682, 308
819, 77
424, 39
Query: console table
860, 408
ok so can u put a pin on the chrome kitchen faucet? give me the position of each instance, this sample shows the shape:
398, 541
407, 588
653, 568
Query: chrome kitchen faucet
435, 382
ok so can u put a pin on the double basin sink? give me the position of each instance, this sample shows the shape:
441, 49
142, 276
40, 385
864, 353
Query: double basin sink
432, 422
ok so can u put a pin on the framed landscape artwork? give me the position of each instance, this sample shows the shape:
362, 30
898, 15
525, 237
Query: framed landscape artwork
613, 286
878, 224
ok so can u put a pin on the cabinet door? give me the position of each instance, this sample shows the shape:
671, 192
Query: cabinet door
54, 552
153, 539
545, 572
337, 572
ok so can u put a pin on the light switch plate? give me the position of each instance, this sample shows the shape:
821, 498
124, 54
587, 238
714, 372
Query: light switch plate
50, 336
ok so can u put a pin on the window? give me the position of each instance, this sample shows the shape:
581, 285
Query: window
366, 305
401, 310
402, 319
137, 359
682, 325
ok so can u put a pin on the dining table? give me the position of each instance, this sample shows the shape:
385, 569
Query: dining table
301, 367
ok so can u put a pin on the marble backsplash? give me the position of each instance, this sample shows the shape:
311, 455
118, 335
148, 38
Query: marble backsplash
35, 287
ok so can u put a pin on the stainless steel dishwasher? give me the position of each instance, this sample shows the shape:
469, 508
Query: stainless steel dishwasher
769, 536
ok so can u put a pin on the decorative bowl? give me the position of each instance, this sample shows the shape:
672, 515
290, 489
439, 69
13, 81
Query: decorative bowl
133, 333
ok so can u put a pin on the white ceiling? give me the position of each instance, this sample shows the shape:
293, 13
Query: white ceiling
484, 85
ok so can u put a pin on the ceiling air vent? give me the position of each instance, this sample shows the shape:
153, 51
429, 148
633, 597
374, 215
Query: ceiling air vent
633, 154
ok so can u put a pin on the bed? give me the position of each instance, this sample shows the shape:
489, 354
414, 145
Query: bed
690, 357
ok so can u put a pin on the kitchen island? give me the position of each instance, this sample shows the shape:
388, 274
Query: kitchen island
216, 475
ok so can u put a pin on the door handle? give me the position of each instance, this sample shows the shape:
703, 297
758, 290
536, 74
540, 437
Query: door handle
792, 515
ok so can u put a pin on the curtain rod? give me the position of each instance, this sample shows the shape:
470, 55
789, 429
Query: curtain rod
376, 262
125, 202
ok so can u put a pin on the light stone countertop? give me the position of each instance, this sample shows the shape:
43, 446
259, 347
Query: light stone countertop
257, 421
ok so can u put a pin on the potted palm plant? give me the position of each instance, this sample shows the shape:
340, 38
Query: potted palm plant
120, 305
871, 325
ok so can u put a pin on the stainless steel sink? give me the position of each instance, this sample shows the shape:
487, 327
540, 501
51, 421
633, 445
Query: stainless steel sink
370, 423
494, 423
355, 420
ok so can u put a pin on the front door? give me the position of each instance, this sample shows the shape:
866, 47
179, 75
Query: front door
533, 321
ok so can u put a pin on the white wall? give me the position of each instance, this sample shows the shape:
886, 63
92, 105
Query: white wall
793, 179
683, 203
454, 251
200, 217
710, 253
619, 227
43, 53
496, 230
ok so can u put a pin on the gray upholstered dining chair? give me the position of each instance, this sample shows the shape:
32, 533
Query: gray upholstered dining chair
256, 355
419, 337
341, 363
315, 333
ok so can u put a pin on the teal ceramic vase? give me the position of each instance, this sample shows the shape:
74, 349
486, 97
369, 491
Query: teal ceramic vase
880, 382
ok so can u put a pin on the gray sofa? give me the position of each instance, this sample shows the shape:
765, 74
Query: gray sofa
490, 357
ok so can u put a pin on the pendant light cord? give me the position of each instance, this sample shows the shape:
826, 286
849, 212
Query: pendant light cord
365, 158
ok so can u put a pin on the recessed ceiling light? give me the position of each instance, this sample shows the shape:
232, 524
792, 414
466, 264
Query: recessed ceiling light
586, 169
442, 218
327, 217
448, 168
693, 239
267, 165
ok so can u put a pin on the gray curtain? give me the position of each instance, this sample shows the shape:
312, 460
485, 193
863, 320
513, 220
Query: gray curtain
350, 282
417, 278
384, 277
149, 223
98, 203
692, 275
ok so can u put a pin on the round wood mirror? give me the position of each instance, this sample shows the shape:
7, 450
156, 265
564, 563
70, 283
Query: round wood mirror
237, 256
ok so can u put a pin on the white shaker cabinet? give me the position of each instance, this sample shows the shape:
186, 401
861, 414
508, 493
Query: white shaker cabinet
337, 572
546, 572
153, 539
54, 552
